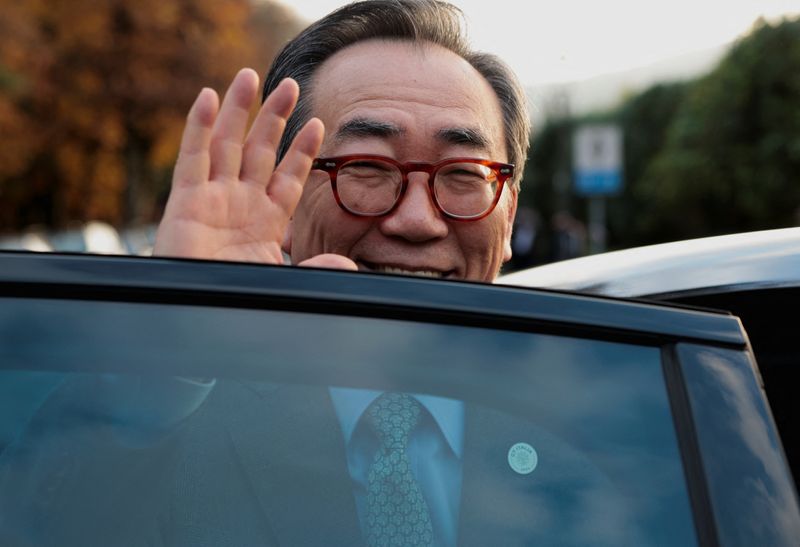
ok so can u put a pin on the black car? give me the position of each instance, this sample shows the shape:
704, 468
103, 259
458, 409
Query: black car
179, 402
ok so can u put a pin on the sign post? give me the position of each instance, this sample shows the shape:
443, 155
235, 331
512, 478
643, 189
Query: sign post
597, 164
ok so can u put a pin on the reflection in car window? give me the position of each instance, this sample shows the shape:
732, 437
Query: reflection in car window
735, 439
180, 425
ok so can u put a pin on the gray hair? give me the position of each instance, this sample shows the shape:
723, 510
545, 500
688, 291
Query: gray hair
417, 21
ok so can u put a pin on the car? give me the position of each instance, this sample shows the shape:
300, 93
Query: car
181, 402
90, 237
754, 275
32, 239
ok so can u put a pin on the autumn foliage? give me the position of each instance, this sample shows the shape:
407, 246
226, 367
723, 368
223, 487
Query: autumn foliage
94, 93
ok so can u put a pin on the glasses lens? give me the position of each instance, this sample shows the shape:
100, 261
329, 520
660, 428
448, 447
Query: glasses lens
368, 187
465, 189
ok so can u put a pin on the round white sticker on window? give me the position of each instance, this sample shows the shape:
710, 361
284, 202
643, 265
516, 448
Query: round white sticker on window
523, 458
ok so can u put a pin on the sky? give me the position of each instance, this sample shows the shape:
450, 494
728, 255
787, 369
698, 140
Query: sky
570, 40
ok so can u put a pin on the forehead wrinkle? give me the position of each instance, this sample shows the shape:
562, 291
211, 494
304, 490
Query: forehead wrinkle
366, 127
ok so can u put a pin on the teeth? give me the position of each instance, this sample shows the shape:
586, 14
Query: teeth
421, 273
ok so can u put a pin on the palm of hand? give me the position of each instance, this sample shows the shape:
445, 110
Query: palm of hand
229, 201
223, 221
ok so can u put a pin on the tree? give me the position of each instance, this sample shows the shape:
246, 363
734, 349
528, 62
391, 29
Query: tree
93, 97
715, 155
732, 156
645, 120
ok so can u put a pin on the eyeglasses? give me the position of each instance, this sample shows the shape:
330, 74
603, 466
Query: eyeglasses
372, 186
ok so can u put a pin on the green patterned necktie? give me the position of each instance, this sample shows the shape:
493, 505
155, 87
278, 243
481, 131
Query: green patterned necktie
397, 514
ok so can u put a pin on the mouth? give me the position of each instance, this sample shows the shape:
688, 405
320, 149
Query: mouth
405, 270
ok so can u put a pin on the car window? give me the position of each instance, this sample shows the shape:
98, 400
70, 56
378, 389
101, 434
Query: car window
763, 312
730, 415
563, 439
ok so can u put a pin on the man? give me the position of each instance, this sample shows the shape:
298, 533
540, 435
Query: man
421, 136
390, 78
383, 78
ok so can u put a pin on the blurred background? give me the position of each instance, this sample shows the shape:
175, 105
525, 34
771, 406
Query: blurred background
651, 122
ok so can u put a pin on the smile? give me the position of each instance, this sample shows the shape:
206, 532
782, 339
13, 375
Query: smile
399, 270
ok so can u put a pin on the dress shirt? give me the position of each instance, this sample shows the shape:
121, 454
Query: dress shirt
434, 451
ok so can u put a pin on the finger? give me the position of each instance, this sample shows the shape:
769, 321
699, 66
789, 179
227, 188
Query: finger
192, 166
229, 128
330, 261
262, 142
286, 184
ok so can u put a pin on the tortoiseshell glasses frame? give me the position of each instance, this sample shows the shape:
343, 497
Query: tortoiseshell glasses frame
465, 189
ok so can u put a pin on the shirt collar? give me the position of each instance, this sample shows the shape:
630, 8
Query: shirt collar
350, 404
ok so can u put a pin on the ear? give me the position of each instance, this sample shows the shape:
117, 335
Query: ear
512, 212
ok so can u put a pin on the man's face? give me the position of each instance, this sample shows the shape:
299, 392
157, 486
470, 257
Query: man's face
410, 103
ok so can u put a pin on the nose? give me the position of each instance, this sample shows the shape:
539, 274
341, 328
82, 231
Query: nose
416, 218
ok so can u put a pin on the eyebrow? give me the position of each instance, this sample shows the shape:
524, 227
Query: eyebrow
366, 127
464, 136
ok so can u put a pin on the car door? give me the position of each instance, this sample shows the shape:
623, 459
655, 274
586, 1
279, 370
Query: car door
174, 402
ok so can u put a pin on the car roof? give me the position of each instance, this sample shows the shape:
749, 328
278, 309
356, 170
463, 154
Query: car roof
769, 258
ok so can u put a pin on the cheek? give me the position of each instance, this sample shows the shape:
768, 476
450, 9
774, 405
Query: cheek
309, 220
480, 241
482, 245
320, 226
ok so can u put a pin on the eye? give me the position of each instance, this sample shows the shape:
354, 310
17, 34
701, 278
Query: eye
466, 173
367, 168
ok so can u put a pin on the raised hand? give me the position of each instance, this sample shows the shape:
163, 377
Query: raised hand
229, 201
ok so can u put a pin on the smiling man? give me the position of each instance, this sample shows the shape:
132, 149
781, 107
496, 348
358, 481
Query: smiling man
389, 94
383, 144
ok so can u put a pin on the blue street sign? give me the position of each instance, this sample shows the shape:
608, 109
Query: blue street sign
597, 160
598, 182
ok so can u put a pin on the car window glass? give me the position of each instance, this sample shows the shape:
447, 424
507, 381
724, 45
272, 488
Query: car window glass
735, 439
171, 422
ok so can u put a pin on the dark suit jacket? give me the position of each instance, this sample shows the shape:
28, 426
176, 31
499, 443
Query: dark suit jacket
265, 465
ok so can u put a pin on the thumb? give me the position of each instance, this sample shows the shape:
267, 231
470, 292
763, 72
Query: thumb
330, 261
